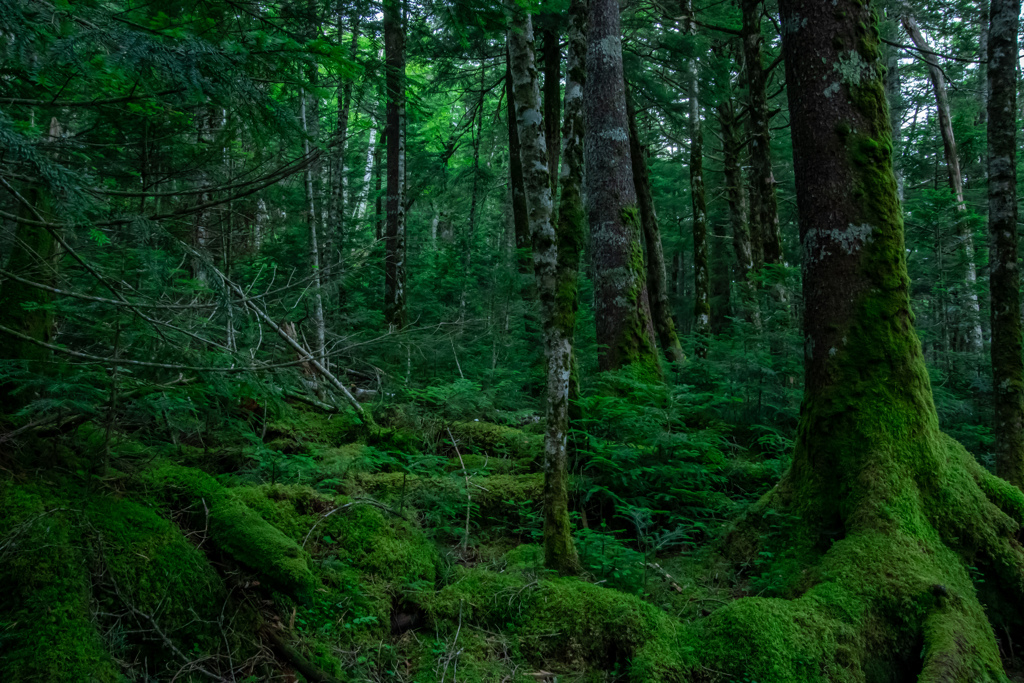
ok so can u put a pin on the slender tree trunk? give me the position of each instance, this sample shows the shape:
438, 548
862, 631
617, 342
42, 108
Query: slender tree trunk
552, 55
559, 551
891, 515
394, 260
764, 209
625, 332
336, 201
320, 329
701, 265
520, 219
1007, 359
721, 277
470, 235
731, 155
894, 97
969, 299
657, 280
371, 159
378, 172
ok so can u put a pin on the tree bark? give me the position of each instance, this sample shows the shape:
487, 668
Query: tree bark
552, 54
701, 265
559, 551
336, 201
890, 515
731, 156
320, 328
764, 208
394, 260
520, 219
657, 280
969, 299
1007, 359
625, 332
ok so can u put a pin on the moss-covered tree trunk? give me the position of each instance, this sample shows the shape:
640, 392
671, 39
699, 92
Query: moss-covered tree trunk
877, 526
625, 332
394, 259
25, 308
764, 208
731, 157
1007, 361
701, 263
657, 280
559, 551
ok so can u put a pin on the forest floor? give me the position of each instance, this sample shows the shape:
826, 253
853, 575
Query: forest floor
311, 549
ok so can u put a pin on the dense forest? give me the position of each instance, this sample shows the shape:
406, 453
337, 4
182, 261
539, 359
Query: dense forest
580, 340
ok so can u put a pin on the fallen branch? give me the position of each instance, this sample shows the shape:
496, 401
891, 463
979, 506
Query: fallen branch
311, 671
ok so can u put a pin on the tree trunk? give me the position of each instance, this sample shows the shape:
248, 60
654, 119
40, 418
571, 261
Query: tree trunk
1007, 361
336, 203
764, 208
559, 551
657, 280
969, 299
320, 328
625, 332
467, 247
394, 259
701, 265
721, 278
520, 219
731, 155
890, 516
552, 92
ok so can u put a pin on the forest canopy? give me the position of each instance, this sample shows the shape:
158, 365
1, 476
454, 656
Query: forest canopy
581, 340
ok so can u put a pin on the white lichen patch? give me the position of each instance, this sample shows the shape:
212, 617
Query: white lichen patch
821, 243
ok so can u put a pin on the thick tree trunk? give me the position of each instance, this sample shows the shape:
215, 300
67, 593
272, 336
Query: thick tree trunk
625, 332
969, 299
559, 551
764, 208
701, 263
1007, 361
889, 513
731, 156
657, 280
394, 260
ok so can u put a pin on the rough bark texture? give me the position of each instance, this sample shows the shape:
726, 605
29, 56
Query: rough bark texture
559, 551
625, 332
969, 299
657, 280
394, 259
1007, 361
701, 264
888, 514
731, 156
764, 208
721, 277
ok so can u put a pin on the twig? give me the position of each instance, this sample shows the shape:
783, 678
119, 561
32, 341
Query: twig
469, 499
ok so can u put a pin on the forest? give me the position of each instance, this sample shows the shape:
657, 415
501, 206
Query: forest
511, 341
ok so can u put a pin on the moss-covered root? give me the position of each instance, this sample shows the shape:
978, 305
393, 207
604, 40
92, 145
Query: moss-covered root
235, 529
894, 599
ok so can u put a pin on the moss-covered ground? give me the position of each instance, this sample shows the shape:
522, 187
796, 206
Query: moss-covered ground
349, 560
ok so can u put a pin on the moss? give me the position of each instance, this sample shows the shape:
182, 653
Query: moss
234, 528
302, 424
46, 625
564, 623
497, 441
490, 500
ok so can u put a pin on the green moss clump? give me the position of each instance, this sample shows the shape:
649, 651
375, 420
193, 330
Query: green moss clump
46, 625
497, 441
490, 501
235, 529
